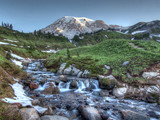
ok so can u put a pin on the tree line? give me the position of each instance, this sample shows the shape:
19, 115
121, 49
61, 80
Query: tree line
7, 25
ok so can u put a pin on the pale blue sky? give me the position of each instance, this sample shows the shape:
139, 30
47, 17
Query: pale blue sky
28, 15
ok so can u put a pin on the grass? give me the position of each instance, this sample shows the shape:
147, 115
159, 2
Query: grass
112, 52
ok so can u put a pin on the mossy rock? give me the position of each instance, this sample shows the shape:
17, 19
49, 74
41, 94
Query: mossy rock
108, 84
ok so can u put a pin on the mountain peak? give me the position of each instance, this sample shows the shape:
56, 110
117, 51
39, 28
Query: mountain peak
69, 26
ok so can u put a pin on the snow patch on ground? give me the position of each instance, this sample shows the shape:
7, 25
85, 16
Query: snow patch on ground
17, 57
50, 51
10, 40
19, 63
4, 43
139, 31
21, 97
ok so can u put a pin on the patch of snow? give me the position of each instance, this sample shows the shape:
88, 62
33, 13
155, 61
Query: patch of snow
158, 41
50, 51
10, 40
4, 43
21, 97
19, 63
126, 32
139, 31
17, 57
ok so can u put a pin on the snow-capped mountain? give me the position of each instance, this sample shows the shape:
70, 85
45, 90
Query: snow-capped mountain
69, 26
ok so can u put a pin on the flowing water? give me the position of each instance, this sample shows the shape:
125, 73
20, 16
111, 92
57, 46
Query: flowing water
87, 92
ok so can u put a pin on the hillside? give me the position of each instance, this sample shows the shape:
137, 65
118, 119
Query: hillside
113, 53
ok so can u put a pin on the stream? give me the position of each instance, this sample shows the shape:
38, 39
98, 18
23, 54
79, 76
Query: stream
87, 92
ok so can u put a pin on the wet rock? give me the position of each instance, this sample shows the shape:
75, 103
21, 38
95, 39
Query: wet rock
107, 82
119, 92
104, 115
27, 82
63, 78
89, 113
68, 70
42, 82
149, 75
79, 74
54, 117
35, 102
60, 71
131, 115
73, 84
29, 114
75, 71
33, 86
51, 90
153, 114
85, 74
104, 93
49, 111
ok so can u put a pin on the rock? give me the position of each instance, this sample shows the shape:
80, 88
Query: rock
89, 113
128, 75
104, 93
107, 82
68, 70
149, 75
104, 115
44, 69
54, 117
119, 92
125, 63
80, 74
75, 71
51, 90
35, 102
153, 114
131, 115
63, 78
17, 104
29, 114
33, 86
60, 71
107, 67
73, 84
42, 82
49, 111
85, 74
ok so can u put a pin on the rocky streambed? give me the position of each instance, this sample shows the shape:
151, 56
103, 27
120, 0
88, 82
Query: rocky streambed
80, 98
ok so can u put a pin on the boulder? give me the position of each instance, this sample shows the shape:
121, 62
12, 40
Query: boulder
119, 92
60, 71
104, 93
49, 111
85, 74
107, 82
35, 102
73, 84
89, 113
80, 74
29, 114
68, 70
131, 115
75, 71
54, 117
33, 86
150, 75
63, 78
153, 114
51, 90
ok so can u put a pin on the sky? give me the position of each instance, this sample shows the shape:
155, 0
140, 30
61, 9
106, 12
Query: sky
30, 15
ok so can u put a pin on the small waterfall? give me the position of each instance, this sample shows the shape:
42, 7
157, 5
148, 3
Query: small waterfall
96, 85
64, 87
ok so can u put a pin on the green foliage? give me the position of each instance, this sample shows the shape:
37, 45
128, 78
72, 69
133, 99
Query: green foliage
113, 52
